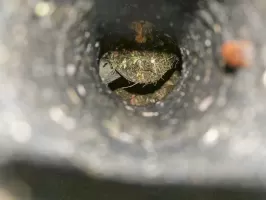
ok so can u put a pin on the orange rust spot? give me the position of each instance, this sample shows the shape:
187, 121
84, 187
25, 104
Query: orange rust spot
138, 27
140, 39
237, 53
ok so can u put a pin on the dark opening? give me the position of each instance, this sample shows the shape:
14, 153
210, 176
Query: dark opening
132, 37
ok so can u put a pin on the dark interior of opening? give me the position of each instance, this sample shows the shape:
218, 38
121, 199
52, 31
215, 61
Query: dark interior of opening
141, 89
118, 36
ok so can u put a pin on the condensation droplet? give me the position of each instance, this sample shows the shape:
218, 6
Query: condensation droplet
208, 43
129, 107
71, 69
21, 131
205, 104
197, 78
43, 8
81, 90
87, 34
150, 114
56, 114
211, 136
97, 44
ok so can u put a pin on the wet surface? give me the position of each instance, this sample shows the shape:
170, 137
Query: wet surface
54, 105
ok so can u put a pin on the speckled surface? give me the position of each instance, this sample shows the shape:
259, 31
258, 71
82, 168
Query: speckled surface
210, 130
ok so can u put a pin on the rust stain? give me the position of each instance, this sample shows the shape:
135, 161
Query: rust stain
143, 30
237, 53
138, 27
